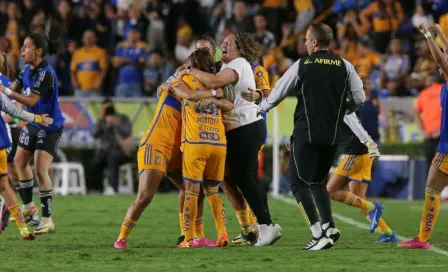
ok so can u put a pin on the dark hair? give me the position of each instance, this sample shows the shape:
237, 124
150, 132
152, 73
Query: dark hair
322, 33
248, 47
202, 60
51, 42
109, 111
207, 38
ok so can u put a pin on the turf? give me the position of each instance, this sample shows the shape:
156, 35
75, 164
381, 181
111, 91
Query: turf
87, 226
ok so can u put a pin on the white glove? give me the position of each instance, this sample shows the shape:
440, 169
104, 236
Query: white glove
372, 148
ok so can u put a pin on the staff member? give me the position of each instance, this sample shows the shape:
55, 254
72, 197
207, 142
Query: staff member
326, 86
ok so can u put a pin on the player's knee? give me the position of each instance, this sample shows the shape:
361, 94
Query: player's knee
20, 162
41, 172
144, 199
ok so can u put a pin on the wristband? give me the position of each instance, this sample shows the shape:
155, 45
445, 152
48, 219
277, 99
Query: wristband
8, 91
261, 97
213, 92
37, 119
428, 34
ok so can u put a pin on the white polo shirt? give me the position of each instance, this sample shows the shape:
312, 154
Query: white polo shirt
243, 112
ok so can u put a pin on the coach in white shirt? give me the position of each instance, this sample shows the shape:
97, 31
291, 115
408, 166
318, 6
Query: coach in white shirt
245, 130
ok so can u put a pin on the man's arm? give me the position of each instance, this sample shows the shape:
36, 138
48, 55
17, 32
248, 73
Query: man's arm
124, 128
224, 77
356, 96
99, 128
284, 85
355, 125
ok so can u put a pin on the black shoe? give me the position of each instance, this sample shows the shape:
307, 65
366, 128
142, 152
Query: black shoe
320, 243
251, 237
332, 233
180, 240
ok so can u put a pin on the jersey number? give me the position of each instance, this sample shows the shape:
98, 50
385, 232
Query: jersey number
24, 139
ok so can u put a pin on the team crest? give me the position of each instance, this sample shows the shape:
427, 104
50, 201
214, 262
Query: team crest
259, 74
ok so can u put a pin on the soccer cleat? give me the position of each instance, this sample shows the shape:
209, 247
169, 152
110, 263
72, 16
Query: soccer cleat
186, 244
202, 242
249, 239
375, 216
180, 240
31, 216
384, 238
414, 243
240, 240
268, 234
46, 225
320, 243
333, 234
222, 241
120, 244
26, 234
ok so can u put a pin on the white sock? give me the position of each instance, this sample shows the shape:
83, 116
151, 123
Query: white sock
29, 205
316, 230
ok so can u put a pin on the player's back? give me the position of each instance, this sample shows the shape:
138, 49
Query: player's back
165, 127
201, 126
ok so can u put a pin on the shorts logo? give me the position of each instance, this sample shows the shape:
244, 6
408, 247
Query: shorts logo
41, 134
158, 160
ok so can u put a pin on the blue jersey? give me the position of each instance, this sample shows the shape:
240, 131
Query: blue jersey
4, 138
43, 82
443, 143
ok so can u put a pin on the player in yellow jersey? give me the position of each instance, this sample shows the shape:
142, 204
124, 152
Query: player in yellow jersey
158, 154
204, 149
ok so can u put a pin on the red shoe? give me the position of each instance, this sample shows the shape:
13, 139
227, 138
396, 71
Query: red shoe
414, 243
223, 240
120, 244
185, 244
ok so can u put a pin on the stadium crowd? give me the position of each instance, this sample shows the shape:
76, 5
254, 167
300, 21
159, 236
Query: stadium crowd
379, 37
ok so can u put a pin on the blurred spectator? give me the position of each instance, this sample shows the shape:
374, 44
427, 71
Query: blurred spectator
369, 111
263, 36
421, 17
305, 13
241, 21
185, 44
365, 60
285, 188
6, 47
155, 32
100, 24
158, 71
349, 31
88, 67
137, 20
110, 154
63, 69
384, 16
423, 68
394, 68
343, 5
130, 59
274, 11
428, 116
12, 28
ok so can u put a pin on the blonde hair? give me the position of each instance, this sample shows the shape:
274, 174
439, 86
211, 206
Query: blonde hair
5, 67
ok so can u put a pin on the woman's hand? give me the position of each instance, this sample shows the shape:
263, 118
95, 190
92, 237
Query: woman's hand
43, 120
250, 95
205, 103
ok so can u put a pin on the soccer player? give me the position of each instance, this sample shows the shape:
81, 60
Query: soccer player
437, 179
204, 149
40, 94
360, 151
5, 189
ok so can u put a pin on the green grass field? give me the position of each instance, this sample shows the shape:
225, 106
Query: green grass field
87, 226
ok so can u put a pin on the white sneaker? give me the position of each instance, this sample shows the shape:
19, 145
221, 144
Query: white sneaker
268, 234
109, 191
46, 225
319, 243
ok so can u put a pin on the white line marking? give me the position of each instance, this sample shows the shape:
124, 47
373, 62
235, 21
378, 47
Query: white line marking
360, 225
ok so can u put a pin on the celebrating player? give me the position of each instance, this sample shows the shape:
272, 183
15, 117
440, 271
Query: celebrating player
5, 189
437, 179
204, 148
355, 169
40, 94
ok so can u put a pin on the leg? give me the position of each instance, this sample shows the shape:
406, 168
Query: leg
190, 210
22, 159
114, 160
96, 170
218, 210
176, 179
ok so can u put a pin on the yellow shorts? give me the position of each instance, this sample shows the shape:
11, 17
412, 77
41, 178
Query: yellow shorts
158, 157
440, 162
355, 168
203, 162
3, 163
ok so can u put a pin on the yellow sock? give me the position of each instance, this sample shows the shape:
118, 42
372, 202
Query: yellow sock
126, 227
17, 214
383, 228
218, 208
243, 218
430, 214
252, 217
181, 224
355, 201
198, 228
190, 213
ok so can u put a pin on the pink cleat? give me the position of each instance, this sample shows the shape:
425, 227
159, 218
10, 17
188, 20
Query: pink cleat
204, 241
414, 243
120, 244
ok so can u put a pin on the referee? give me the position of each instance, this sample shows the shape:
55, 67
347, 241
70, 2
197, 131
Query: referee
326, 87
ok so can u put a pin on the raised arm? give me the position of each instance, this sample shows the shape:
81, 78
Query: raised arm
436, 28
284, 86
437, 54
